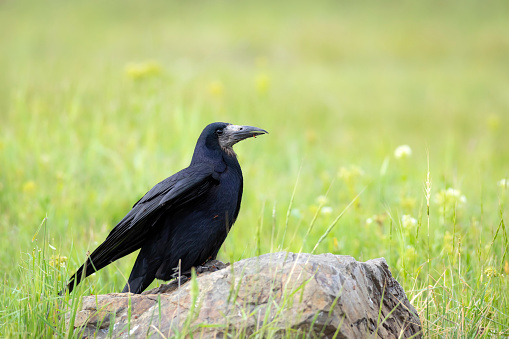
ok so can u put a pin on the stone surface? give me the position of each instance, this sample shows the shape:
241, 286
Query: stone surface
279, 294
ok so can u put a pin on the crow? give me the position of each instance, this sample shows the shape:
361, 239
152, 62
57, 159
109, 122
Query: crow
185, 217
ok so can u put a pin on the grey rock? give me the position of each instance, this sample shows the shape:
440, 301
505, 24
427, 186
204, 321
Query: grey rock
277, 295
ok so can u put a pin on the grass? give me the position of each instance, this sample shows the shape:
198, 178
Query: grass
100, 101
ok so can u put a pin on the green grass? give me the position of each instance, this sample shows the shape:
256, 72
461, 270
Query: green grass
101, 100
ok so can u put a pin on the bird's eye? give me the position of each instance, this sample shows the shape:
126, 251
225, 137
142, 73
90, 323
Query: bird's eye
219, 131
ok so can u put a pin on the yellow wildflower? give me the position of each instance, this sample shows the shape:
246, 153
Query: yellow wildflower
58, 261
493, 122
491, 272
310, 135
216, 88
137, 71
262, 83
448, 243
29, 186
408, 203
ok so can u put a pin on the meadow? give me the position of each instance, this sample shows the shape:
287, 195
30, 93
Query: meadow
99, 101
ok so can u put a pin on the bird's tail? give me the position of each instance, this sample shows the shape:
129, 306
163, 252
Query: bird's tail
84, 271
141, 275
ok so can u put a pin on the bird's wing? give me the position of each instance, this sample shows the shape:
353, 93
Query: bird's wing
130, 233
180, 188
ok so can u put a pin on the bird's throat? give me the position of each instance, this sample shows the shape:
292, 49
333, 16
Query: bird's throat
229, 151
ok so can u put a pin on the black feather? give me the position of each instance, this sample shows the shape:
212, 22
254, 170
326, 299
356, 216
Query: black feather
185, 217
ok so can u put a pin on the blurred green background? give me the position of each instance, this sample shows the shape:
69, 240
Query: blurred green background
101, 100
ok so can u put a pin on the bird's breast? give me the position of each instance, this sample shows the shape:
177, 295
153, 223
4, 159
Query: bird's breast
225, 195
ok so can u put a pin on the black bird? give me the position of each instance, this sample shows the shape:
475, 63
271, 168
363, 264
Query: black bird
184, 217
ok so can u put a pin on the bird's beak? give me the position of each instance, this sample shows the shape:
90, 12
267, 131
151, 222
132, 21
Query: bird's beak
232, 134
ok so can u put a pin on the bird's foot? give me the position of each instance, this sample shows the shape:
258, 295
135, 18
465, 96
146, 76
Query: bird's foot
211, 266
207, 267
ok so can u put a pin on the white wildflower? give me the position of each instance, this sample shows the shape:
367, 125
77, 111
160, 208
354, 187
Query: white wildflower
450, 196
326, 210
450, 200
503, 183
322, 199
454, 193
408, 221
296, 213
348, 174
403, 151
369, 221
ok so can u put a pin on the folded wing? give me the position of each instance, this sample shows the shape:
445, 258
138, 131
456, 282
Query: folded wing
130, 233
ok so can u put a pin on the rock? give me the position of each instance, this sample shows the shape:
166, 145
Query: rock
210, 266
279, 294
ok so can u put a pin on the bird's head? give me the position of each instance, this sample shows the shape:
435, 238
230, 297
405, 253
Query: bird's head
221, 135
